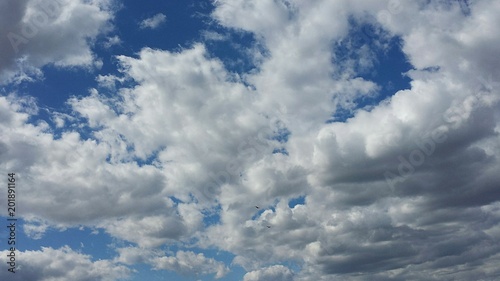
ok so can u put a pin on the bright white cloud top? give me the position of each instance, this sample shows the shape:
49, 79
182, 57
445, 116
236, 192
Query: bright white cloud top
168, 152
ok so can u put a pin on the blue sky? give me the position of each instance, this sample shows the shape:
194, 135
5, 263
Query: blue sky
279, 140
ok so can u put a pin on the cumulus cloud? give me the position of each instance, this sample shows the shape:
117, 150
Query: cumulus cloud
61, 264
213, 100
153, 22
272, 273
190, 263
435, 139
112, 41
407, 190
150, 231
35, 33
186, 263
85, 195
135, 255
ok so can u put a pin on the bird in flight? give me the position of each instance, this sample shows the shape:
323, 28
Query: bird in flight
257, 207
268, 226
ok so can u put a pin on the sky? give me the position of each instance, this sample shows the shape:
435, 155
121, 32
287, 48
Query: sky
266, 140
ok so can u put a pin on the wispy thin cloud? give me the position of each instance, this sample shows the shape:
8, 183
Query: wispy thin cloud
153, 22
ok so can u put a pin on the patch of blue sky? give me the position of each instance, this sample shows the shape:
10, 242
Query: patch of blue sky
52, 92
235, 49
301, 200
292, 265
257, 214
93, 242
280, 150
59, 84
150, 160
211, 216
175, 199
184, 21
281, 135
374, 55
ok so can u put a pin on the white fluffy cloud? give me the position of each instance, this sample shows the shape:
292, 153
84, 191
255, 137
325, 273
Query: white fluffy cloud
35, 33
405, 191
186, 263
432, 138
191, 113
66, 190
272, 273
189, 263
298, 72
61, 264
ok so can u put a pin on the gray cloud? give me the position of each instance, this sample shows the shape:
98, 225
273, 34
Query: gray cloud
63, 264
275, 273
405, 191
36, 33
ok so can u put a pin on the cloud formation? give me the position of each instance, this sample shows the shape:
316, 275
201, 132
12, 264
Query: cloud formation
61, 264
153, 22
274, 273
186, 263
36, 33
406, 189
189, 263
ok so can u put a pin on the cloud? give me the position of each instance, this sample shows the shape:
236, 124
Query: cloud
135, 255
189, 263
112, 41
186, 263
35, 228
63, 264
297, 72
153, 22
407, 190
36, 33
150, 231
272, 273
114, 196
206, 93
448, 118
